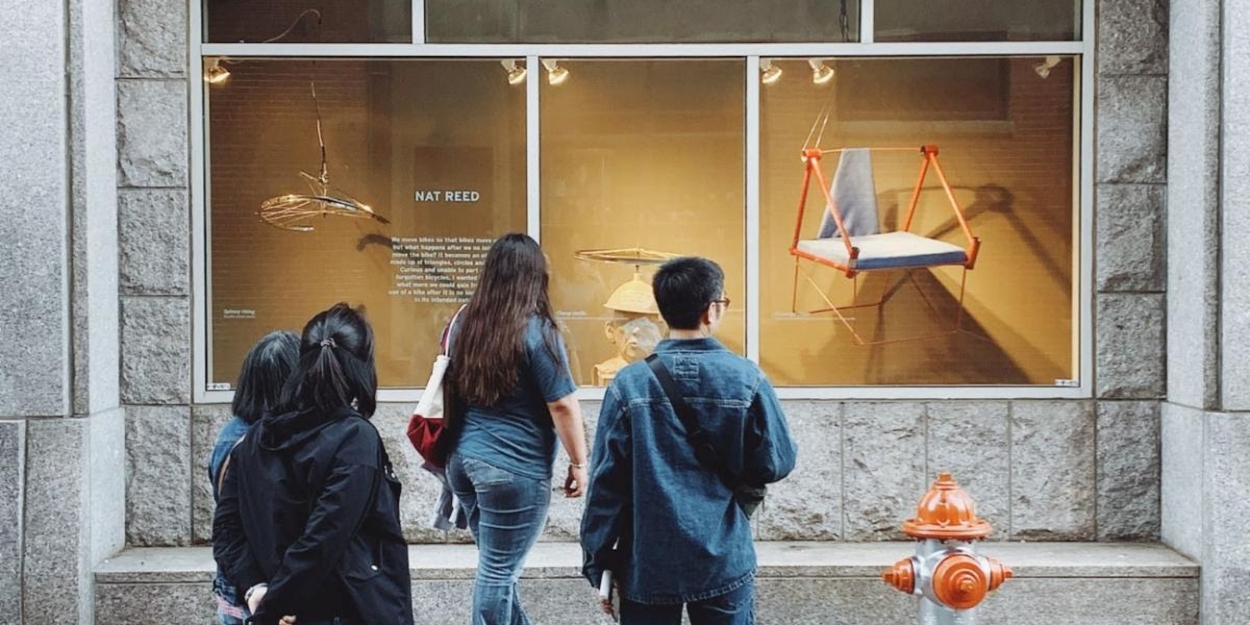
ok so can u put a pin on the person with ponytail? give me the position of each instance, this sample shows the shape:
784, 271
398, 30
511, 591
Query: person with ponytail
509, 397
307, 523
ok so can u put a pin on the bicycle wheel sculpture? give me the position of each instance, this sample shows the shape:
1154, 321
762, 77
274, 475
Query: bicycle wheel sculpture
298, 211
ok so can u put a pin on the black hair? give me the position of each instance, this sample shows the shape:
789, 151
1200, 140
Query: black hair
265, 370
335, 367
684, 288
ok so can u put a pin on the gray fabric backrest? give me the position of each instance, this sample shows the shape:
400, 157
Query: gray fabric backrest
856, 195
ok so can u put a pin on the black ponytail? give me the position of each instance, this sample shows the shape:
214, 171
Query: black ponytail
335, 367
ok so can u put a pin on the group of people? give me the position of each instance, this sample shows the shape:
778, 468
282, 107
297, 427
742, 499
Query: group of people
307, 527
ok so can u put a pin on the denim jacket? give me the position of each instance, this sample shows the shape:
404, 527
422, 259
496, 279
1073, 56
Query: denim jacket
669, 528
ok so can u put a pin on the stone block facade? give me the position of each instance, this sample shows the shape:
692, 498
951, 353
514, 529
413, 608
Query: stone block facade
101, 445
868, 461
797, 583
1039, 470
12, 487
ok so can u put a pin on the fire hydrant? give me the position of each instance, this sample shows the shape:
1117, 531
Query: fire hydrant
946, 572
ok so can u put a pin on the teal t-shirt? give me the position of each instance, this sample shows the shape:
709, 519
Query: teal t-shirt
517, 434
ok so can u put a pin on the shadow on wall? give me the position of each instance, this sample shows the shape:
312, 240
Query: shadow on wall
967, 357
1001, 318
992, 200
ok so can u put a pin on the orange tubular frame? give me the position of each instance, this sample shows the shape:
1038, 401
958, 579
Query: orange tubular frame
811, 162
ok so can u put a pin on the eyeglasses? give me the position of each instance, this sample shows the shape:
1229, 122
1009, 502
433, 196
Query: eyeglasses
724, 300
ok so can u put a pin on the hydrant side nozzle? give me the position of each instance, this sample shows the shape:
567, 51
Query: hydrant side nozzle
901, 576
999, 573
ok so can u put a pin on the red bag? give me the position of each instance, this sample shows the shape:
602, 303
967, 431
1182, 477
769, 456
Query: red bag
426, 425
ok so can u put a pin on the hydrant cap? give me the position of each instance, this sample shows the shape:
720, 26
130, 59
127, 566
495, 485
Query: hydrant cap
946, 512
959, 582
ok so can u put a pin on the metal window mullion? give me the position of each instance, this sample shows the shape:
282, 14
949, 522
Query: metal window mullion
753, 308
878, 392
418, 22
867, 21
1085, 283
676, 50
200, 347
533, 151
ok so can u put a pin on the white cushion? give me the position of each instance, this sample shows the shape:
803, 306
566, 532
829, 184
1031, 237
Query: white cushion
890, 250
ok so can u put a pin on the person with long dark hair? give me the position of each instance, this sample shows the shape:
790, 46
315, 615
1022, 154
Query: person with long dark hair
307, 525
259, 389
510, 395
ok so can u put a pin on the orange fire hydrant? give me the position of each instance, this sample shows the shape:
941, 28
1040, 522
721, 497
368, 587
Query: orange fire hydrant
946, 572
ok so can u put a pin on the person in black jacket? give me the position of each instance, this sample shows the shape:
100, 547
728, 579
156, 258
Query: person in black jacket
307, 524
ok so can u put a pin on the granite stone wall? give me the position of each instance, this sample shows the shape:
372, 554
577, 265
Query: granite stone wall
154, 236
1039, 470
60, 502
1206, 420
1042, 470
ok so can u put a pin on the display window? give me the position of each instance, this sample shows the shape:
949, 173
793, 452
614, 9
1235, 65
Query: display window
641, 161
977, 20
440, 172
997, 197
307, 21
640, 21
899, 195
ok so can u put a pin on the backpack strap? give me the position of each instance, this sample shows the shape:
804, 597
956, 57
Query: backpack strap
699, 438
221, 473
444, 341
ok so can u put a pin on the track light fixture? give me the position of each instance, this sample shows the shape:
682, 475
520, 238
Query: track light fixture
516, 73
769, 73
821, 73
555, 74
215, 73
1047, 64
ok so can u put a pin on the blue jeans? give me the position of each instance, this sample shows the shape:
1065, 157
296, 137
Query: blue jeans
230, 611
506, 515
735, 608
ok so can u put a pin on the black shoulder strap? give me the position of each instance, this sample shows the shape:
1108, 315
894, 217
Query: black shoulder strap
704, 451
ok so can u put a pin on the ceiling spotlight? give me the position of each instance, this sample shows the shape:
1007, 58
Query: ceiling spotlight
215, 74
555, 73
516, 73
769, 73
1047, 64
821, 73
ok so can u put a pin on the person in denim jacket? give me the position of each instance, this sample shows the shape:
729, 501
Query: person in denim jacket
669, 528
265, 369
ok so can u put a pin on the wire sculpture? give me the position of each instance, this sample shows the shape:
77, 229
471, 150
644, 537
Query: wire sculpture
634, 256
294, 211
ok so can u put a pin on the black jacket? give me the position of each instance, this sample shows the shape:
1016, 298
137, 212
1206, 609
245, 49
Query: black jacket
310, 505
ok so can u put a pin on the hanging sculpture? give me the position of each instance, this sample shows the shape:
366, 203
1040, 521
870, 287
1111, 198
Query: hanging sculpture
295, 211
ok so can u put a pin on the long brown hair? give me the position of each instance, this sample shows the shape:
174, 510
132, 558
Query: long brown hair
488, 352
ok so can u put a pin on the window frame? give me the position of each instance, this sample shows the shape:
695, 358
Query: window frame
1082, 49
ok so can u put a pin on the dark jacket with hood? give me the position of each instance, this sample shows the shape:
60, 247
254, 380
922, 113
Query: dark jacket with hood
310, 505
